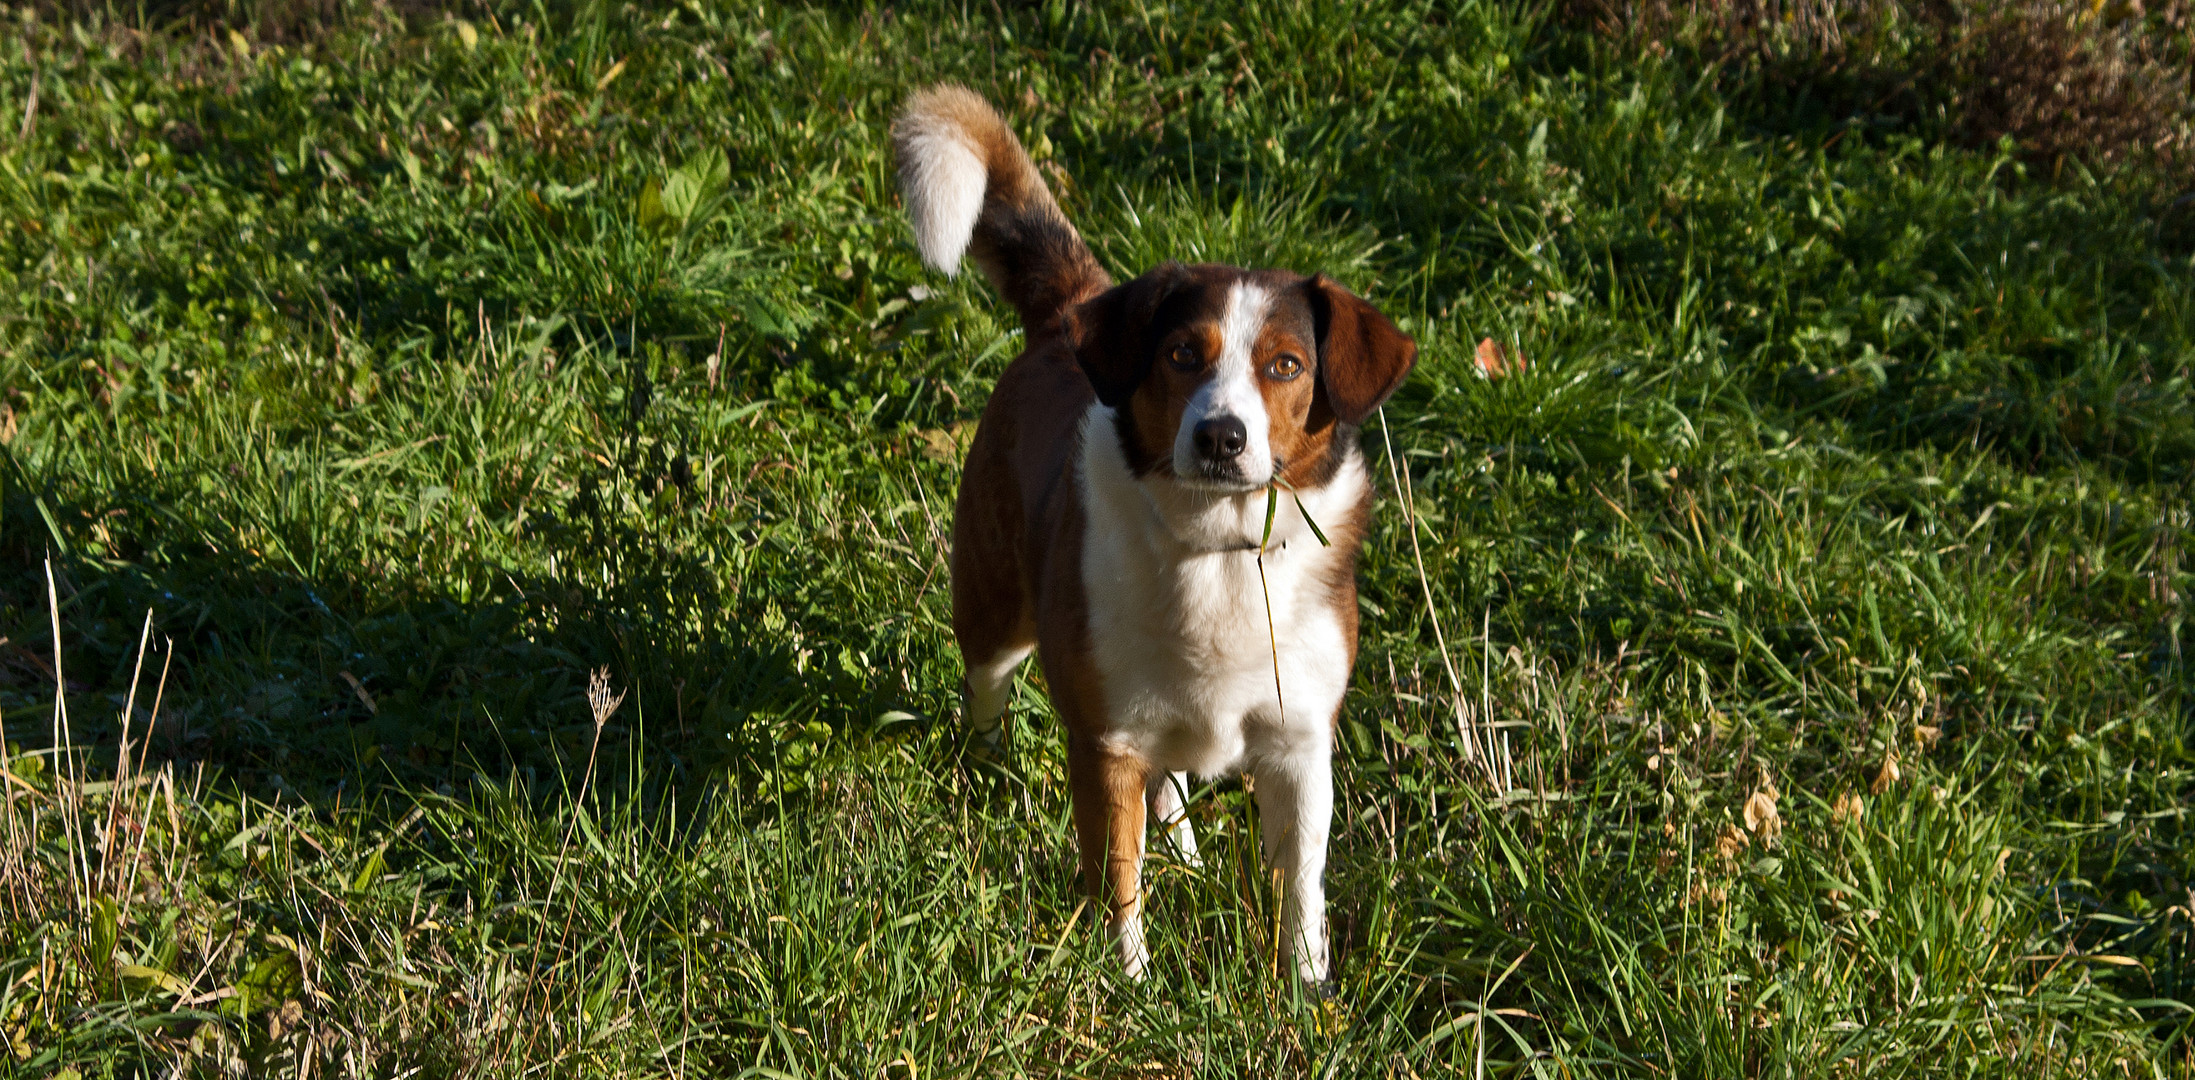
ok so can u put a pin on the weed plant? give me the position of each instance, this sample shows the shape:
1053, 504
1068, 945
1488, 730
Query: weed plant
1779, 671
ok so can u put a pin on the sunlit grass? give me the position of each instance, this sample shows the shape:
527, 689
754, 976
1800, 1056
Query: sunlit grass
1813, 697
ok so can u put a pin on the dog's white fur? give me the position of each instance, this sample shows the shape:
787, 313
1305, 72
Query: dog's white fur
943, 184
1180, 637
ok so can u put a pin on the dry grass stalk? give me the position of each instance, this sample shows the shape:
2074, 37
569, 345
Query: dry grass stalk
143, 813
602, 704
12, 868
1477, 744
107, 862
67, 787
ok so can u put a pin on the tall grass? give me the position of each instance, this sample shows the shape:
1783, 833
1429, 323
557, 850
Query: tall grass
1781, 674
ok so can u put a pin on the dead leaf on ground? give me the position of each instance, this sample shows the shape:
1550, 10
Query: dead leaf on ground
1497, 361
1888, 776
1731, 842
1761, 817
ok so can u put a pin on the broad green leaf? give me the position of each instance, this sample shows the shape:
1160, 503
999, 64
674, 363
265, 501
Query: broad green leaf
690, 187
648, 208
274, 979
139, 979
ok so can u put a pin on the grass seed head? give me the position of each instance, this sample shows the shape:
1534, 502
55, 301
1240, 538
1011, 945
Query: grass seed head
599, 698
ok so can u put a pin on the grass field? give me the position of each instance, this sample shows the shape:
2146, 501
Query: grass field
1782, 675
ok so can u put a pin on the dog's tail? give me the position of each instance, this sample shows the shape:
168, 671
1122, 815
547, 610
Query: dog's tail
970, 187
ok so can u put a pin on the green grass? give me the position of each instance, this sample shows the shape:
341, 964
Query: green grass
408, 369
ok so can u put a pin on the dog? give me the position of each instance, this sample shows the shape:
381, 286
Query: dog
1116, 517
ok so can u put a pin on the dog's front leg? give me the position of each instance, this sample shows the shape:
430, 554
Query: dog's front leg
1295, 793
1108, 792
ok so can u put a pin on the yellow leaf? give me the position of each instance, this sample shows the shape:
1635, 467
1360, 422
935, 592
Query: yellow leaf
609, 76
155, 976
948, 444
1331, 1018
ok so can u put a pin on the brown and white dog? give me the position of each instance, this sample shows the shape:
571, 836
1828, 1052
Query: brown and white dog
1112, 506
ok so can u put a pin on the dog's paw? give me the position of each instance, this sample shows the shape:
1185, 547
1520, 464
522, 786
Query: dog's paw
988, 762
989, 748
1327, 1010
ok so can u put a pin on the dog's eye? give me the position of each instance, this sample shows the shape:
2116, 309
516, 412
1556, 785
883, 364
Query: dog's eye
1184, 357
1284, 367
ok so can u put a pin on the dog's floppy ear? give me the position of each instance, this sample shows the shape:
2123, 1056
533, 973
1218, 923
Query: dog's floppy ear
1113, 332
1362, 356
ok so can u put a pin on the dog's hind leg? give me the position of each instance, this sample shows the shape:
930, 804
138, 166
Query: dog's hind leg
987, 690
992, 622
1168, 796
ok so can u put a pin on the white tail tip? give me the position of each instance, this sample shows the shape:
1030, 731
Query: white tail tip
942, 178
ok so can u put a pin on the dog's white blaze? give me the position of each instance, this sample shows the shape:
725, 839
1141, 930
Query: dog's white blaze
1233, 388
1178, 633
943, 182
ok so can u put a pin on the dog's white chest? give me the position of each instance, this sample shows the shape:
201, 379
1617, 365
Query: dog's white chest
1204, 667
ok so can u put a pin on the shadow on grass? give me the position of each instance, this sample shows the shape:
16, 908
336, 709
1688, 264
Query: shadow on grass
322, 688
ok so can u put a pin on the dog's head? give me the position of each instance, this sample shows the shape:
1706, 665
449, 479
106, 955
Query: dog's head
1224, 379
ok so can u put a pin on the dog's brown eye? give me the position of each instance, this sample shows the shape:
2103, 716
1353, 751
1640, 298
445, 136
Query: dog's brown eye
1284, 368
1183, 357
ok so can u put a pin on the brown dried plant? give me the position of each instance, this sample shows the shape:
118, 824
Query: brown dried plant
2098, 84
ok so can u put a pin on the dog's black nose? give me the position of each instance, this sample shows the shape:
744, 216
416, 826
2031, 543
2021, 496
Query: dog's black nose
1221, 437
